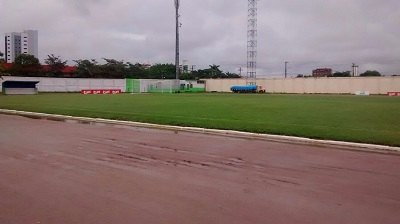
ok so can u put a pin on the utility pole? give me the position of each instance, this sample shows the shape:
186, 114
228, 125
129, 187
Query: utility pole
240, 71
286, 63
177, 72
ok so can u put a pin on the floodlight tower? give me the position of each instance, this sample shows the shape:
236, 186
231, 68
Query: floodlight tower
251, 77
177, 67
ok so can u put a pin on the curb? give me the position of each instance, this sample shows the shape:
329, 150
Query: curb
227, 133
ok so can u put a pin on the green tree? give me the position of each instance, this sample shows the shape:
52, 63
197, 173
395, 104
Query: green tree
26, 59
232, 75
212, 72
56, 65
87, 68
160, 71
26, 65
114, 69
2, 69
341, 74
188, 76
215, 72
134, 70
371, 73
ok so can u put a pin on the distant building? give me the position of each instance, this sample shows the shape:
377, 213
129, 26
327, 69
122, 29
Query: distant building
21, 43
12, 46
322, 72
145, 66
355, 70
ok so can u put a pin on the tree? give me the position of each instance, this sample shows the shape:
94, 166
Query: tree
56, 65
232, 75
201, 74
341, 74
26, 65
371, 73
1, 58
215, 72
134, 70
119, 69
114, 68
161, 71
87, 68
26, 60
188, 76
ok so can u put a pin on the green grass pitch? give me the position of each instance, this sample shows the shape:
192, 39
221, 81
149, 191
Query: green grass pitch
372, 119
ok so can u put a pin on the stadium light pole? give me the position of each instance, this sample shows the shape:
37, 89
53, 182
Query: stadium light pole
177, 3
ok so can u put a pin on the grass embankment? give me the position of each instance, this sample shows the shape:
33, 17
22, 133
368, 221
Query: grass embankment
373, 119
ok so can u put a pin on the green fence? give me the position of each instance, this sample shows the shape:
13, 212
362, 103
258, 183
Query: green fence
159, 86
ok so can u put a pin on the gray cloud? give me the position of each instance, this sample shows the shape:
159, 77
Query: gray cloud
307, 33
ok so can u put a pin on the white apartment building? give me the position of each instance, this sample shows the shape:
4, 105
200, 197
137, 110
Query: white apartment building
21, 43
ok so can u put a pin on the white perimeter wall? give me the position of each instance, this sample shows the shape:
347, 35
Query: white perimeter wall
70, 84
348, 85
375, 85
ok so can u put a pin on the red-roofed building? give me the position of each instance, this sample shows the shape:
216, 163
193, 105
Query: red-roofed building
7, 66
66, 71
322, 72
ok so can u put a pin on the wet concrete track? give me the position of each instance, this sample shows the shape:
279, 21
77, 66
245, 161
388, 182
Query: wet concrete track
55, 172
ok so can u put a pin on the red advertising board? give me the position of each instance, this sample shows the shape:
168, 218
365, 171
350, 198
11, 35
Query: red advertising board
393, 93
101, 91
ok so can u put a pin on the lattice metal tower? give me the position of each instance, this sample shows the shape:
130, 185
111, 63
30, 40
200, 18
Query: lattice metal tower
251, 77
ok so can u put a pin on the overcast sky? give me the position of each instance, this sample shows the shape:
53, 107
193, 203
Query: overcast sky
307, 33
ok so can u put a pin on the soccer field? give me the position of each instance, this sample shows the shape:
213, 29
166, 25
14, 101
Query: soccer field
372, 119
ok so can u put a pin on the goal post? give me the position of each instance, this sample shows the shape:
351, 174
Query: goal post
152, 86
132, 86
162, 86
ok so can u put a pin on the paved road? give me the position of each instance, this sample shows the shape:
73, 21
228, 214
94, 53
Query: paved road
55, 172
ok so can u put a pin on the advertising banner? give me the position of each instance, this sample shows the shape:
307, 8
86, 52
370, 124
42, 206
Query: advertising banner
100, 91
393, 93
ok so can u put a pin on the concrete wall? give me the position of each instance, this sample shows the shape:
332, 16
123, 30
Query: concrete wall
375, 85
69, 84
222, 85
349, 85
